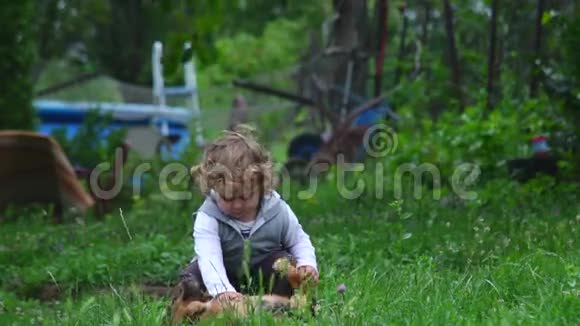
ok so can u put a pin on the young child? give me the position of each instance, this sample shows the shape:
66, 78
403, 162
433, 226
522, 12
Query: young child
242, 213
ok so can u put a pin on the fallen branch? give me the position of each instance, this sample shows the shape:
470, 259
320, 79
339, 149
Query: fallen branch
68, 83
275, 92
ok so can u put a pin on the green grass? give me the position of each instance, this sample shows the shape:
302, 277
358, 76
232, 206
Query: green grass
511, 257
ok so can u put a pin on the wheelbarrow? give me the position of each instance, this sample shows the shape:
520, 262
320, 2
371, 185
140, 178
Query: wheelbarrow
34, 169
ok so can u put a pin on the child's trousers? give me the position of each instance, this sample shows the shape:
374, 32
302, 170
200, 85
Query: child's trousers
272, 283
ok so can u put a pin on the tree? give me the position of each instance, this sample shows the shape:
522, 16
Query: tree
452, 52
383, 36
537, 49
426, 21
491, 65
402, 39
62, 26
18, 55
123, 39
349, 49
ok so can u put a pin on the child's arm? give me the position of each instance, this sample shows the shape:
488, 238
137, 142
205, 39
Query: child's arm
298, 242
209, 254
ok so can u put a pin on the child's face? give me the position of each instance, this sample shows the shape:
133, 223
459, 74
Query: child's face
242, 208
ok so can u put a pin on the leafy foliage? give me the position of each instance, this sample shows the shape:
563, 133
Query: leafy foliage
245, 55
18, 55
478, 137
94, 142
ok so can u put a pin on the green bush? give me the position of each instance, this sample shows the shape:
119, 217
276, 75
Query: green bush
478, 136
90, 146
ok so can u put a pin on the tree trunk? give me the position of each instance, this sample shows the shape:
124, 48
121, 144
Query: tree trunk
537, 50
304, 82
350, 48
498, 65
426, 22
424, 38
382, 33
452, 52
47, 10
401, 55
491, 57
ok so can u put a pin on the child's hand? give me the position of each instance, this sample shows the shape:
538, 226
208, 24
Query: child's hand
309, 272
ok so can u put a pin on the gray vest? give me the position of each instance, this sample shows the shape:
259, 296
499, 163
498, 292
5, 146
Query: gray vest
266, 236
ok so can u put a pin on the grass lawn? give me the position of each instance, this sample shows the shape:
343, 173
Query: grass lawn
509, 257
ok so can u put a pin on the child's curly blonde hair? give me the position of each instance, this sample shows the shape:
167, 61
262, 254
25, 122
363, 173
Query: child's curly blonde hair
235, 165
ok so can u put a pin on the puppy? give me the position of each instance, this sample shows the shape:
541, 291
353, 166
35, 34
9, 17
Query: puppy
242, 306
186, 307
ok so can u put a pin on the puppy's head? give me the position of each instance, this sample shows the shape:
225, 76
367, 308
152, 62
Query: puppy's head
188, 301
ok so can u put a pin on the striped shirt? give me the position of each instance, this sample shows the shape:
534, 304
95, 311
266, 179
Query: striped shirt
245, 227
